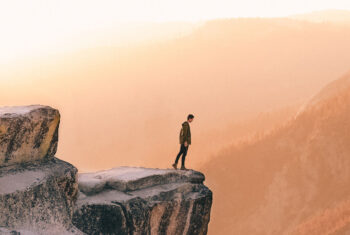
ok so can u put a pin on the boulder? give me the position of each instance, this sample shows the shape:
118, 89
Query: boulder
132, 200
38, 197
28, 133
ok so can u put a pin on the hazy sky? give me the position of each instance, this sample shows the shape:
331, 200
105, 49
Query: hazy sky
27, 26
91, 13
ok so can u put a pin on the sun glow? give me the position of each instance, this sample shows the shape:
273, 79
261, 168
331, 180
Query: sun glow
38, 26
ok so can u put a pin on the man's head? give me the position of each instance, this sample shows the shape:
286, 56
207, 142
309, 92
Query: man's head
190, 118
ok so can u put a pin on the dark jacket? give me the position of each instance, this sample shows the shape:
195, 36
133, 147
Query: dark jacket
185, 133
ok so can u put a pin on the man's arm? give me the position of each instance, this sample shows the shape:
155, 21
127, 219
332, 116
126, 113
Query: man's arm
185, 133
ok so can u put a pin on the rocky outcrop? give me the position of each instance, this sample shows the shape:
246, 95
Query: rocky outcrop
38, 196
130, 200
28, 133
37, 190
39, 193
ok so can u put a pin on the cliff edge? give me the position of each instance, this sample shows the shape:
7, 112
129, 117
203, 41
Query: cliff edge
131, 200
41, 194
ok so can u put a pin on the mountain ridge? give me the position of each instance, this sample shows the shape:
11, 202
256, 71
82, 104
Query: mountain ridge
287, 177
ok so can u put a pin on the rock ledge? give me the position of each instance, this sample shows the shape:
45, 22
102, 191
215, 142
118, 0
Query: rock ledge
133, 178
134, 200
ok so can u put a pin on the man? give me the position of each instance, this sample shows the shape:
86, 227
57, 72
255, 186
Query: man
185, 141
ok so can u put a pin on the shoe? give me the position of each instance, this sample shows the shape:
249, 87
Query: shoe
175, 166
184, 168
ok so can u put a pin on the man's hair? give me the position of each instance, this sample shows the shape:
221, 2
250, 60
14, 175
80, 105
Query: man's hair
190, 116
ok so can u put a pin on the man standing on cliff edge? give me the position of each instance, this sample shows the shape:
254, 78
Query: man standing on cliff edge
185, 141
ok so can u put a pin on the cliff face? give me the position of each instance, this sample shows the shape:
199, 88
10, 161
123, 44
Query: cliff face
129, 200
39, 194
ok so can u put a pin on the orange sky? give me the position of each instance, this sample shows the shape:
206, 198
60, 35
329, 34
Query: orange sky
36, 27
123, 106
112, 97
122, 103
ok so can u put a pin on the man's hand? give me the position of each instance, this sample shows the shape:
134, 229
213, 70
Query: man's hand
185, 144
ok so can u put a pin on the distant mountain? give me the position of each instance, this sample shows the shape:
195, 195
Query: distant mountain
292, 181
332, 89
335, 16
225, 72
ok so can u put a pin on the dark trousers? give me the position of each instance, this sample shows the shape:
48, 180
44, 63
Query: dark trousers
183, 151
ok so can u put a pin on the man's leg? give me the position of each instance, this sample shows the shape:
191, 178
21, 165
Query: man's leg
183, 158
182, 150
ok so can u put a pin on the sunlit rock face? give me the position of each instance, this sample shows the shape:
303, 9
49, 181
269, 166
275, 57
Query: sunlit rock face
28, 133
131, 200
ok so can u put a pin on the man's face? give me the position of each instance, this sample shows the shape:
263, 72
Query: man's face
190, 120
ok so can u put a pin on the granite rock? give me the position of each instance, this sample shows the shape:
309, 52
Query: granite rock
38, 197
132, 200
28, 133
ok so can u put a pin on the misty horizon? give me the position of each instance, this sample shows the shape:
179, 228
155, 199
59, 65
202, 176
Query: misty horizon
269, 94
